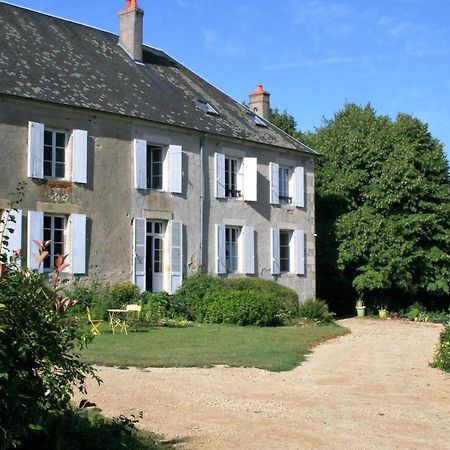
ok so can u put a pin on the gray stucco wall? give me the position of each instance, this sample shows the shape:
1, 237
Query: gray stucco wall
110, 200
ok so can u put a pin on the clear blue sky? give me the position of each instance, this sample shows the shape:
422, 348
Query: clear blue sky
312, 55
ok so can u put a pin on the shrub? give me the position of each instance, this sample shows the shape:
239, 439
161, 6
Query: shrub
315, 310
88, 430
189, 296
442, 357
124, 294
38, 360
286, 298
240, 308
157, 306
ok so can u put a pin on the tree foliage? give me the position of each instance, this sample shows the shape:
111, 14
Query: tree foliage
383, 208
284, 121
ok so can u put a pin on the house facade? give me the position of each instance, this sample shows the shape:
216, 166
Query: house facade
139, 169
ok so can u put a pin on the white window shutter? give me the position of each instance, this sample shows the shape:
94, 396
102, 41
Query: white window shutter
250, 179
299, 252
79, 156
274, 170
299, 183
78, 243
219, 172
35, 150
35, 233
140, 163
176, 254
13, 230
220, 249
249, 250
275, 250
175, 169
139, 253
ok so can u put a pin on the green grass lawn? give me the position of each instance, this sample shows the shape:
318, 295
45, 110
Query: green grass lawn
274, 349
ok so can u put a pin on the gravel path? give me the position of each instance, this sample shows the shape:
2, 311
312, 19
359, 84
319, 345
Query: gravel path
371, 389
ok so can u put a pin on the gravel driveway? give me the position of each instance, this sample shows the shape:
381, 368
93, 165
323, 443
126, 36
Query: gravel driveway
370, 389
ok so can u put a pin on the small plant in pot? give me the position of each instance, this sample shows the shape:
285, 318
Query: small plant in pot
382, 312
360, 308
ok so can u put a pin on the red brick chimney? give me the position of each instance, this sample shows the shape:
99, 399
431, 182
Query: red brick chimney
259, 102
131, 21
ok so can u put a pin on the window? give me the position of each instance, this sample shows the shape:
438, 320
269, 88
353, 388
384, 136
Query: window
257, 120
287, 185
232, 248
158, 167
11, 228
284, 193
208, 108
54, 154
236, 177
157, 254
154, 167
235, 249
288, 251
57, 154
232, 167
67, 234
54, 231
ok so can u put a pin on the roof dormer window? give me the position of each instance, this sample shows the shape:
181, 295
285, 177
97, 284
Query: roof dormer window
208, 108
257, 120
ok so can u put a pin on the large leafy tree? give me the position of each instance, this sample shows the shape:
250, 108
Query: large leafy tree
383, 210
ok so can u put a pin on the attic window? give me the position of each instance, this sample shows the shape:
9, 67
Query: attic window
257, 120
208, 108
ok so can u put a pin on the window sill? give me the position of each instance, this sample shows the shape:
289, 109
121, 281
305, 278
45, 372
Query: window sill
58, 183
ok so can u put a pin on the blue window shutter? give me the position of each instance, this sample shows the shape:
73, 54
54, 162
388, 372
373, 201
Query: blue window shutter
15, 235
140, 163
220, 266
249, 250
219, 172
299, 183
176, 254
274, 183
139, 253
275, 251
250, 179
78, 243
175, 169
35, 150
79, 156
35, 233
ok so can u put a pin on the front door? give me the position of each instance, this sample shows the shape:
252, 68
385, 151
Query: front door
154, 260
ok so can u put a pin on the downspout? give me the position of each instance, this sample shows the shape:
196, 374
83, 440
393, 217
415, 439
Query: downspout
202, 202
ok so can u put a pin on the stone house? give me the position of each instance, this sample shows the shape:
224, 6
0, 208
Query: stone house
139, 169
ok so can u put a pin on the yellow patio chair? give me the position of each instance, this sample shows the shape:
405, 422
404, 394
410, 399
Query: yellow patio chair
94, 323
136, 308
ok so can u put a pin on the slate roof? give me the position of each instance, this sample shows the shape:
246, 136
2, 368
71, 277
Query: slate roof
54, 60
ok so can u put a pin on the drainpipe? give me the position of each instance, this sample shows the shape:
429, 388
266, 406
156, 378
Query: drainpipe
202, 201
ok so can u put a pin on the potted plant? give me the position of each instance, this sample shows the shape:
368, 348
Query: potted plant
360, 308
382, 312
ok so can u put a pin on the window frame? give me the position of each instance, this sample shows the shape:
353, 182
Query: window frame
285, 188
288, 250
233, 188
233, 249
150, 165
53, 161
49, 267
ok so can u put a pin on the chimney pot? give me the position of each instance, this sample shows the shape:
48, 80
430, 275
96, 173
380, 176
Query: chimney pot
259, 102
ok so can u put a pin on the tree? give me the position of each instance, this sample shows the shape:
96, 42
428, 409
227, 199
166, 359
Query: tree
383, 209
285, 122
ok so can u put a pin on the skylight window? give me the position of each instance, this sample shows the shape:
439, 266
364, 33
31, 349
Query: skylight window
257, 120
208, 108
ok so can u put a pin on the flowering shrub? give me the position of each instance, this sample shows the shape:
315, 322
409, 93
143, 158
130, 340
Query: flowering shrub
38, 361
442, 357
